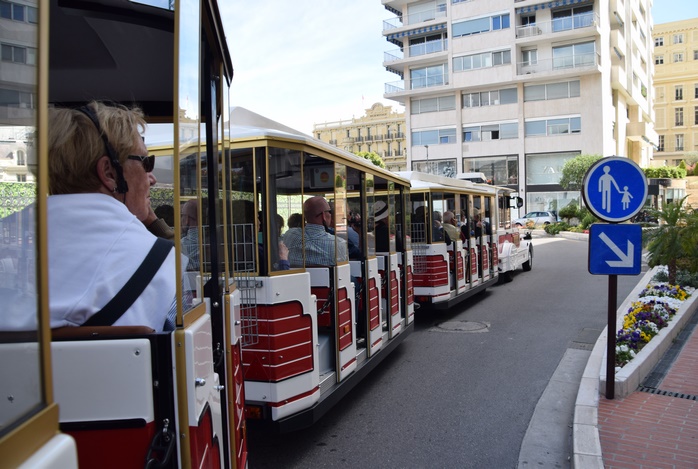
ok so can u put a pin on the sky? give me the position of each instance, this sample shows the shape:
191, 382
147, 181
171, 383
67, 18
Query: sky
307, 62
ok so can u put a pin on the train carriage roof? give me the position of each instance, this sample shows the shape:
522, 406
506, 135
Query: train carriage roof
248, 126
119, 50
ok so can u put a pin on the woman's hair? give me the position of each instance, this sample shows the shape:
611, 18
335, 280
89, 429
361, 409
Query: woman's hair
75, 144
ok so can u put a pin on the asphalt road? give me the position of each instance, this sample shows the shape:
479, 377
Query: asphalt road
449, 399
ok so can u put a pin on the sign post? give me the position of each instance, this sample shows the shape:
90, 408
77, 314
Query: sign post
615, 190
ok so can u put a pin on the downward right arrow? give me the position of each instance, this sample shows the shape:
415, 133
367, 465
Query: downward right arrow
626, 260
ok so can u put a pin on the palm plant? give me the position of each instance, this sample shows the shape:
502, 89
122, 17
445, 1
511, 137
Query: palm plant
674, 237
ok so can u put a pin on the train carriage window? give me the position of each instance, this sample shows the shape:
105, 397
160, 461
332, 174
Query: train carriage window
20, 368
243, 214
285, 203
339, 205
438, 207
355, 214
418, 210
370, 202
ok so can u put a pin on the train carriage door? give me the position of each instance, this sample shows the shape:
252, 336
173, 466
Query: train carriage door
404, 253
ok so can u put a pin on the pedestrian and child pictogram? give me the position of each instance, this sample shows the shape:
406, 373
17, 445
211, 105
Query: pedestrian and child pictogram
615, 189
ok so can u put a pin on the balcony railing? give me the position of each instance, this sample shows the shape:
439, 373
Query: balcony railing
416, 50
585, 20
576, 62
395, 86
428, 82
414, 18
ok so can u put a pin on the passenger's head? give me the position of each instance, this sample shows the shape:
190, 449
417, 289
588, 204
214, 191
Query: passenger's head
189, 215
317, 211
449, 218
295, 220
436, 216
380, 212
100, 155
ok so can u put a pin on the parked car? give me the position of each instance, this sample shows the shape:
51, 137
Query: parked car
538, 218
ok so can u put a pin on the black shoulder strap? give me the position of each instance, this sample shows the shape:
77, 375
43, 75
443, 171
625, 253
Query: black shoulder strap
128, 294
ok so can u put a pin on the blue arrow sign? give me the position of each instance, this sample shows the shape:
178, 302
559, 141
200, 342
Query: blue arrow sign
615, 189
615, 249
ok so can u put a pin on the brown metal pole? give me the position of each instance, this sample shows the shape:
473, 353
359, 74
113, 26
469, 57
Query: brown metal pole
611, 339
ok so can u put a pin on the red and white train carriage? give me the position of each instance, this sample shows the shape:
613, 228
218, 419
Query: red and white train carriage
485, 250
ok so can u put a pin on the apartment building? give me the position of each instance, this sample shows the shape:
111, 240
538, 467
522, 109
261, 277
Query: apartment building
515, 88
381, 130
676, 90
18, 38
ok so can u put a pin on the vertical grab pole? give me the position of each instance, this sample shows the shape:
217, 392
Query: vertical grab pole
611, 339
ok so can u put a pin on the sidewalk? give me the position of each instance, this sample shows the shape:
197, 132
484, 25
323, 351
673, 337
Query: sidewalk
657, 425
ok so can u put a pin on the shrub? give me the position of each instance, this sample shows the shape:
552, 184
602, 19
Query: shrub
569, 211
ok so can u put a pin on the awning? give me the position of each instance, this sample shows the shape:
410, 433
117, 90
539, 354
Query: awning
413, 32
542, 6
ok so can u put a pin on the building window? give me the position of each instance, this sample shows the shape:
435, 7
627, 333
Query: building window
660, 143
658, 59
488, 132
17, 12
658, 41
434, 137
546, 168
695, 91
679, 142
678, 57
444, 103
529, 57
695, 115
21, 178
678, 116
428, 44
548, 127
573, 18
480, 25
17, 54
564, 89
695, 55
678, 93
436, 75
21, 158
678, 38
490, 98
500, 170
484, 60
574, 55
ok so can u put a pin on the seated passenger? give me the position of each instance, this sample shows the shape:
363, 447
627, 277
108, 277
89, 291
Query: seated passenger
450, 225
319, 244
99, 178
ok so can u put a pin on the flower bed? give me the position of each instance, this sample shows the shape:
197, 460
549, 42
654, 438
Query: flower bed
655, 307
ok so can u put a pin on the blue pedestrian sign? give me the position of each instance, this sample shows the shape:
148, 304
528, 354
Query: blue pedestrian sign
615, 249
615, 189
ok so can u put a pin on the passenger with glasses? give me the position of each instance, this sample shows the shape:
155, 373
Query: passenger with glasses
100, 177
319, 244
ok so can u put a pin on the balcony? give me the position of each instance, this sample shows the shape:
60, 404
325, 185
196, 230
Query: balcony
559, 25
416, 50
568, 63
415, 18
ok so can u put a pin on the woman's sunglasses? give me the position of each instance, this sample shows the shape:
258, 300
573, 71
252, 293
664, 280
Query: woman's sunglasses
148, 162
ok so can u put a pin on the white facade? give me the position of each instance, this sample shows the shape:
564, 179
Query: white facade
516, 88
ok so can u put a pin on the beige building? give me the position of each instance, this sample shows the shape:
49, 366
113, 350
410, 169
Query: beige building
676, 90
381, 130
514, 89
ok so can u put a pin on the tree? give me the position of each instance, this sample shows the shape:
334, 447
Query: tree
373, 157
672, 238
574, 170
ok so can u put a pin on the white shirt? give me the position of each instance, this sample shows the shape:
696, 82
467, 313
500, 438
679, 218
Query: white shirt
95, 245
